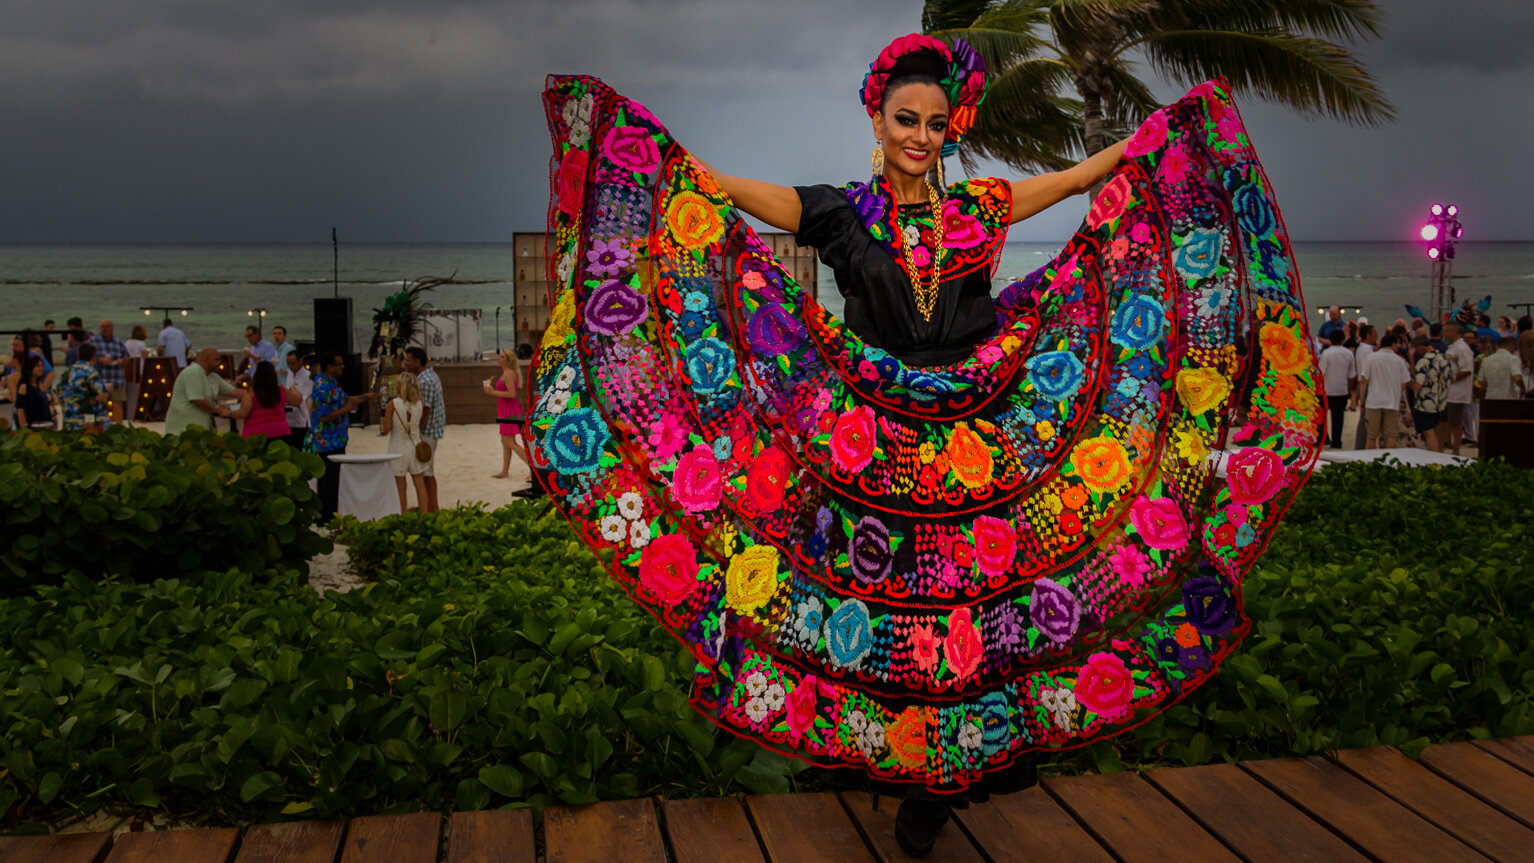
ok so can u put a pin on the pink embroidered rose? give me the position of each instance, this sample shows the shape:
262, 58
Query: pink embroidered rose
1104, 686
1150, 135
1159, 521
668, 566
963, 644
995, 545
801, 706
960, 231
853, 439
767, 480
631, 148
570, 181
924, 648
1110, 202
1255, 474
696, 481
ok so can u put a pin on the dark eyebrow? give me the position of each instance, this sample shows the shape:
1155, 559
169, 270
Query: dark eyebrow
911, 112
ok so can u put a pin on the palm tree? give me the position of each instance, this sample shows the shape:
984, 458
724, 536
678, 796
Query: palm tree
1286, 51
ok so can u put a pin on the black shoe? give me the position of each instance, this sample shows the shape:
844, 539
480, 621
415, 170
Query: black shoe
532, 491
917, 824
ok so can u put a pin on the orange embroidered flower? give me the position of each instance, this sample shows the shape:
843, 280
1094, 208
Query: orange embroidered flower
1202, 389
1187, 636
1102, 464
693, 220
1284, 391
907, 738
969, 457
1284, 351
1074, 497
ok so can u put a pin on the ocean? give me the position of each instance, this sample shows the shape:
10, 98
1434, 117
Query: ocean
220, 284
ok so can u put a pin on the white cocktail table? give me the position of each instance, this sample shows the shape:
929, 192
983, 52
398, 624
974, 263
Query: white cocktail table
367, 488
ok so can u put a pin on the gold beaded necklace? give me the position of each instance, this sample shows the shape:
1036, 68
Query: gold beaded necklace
926, 295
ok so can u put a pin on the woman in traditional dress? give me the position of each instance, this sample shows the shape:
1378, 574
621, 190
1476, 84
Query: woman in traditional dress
948, 531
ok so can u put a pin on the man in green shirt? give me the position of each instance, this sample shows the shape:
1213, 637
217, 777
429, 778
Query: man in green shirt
194, 400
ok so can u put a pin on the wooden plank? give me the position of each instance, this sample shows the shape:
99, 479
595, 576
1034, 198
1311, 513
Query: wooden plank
711, 831
590, 834
397, 838
183, 846
58, 848
292, 842
1248, 816
1436, 799
953, 845
1511, 751
1487, 777
492, 836
1029, 826
1134, 821
1369, 818
807, 828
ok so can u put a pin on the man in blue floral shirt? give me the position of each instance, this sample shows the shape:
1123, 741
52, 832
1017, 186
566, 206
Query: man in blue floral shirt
81, 393
328, 427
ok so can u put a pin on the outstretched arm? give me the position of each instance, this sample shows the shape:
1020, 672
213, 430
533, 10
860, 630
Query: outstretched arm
1037, 194
776, 205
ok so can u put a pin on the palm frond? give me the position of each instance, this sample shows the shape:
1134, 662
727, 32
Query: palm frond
1313, 76
1025, 123
1000, 47
1133, 100
949, 14
1340, 20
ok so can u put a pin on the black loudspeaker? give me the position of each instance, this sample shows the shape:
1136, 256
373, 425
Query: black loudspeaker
351, 376
333, 324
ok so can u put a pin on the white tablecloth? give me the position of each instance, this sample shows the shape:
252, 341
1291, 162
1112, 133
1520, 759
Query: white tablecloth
1405, 455
367, 490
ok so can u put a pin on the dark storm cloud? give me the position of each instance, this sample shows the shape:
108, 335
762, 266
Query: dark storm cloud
1481, 35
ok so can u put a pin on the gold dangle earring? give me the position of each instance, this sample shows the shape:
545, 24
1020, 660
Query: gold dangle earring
877, 159
942, 187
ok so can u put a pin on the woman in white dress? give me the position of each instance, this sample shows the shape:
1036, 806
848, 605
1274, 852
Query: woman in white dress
402, 423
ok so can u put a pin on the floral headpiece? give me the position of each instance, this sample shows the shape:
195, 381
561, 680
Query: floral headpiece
964, 83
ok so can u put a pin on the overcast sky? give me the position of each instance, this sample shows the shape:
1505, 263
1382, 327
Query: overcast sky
240, 121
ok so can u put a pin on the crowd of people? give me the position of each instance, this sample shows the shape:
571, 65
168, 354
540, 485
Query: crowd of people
1419, 383
275, 391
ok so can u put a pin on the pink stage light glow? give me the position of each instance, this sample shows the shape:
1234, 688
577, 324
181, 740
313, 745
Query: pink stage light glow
1430, 232
1433, 253
1453, 209
1438, 209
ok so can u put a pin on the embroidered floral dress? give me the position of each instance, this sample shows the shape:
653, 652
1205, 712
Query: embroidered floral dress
926, 549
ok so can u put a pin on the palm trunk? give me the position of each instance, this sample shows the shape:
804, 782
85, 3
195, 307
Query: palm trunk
1091, 87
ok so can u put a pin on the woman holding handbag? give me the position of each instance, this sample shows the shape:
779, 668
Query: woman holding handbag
402, 423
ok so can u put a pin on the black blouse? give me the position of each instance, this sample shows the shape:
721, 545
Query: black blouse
881, 308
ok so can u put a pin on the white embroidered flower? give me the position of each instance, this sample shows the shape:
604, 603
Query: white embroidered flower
970, 736
1060, 703
912, 236
872, 739
756, 684
614, 528
580, 133
565, 268
639, 534
756, 710
808, 621
630, 505
583, 111
558, 401
570, 110
565, 379
857, 720
775, 697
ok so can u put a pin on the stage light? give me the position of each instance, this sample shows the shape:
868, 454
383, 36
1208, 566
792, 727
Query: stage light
1430, 232
1438, 209
183, 313
1433, 253
147, 312
1453, 209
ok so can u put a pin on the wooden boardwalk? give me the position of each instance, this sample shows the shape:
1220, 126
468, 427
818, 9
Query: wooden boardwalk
1460, 802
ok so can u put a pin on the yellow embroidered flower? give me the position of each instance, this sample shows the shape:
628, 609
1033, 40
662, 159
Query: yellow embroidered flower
927, 452
752, 578
693, 220
560, 322
1191, 447
1010, 344
1046, 430
1202, 389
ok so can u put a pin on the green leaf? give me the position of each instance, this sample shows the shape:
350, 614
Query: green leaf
502, 779
298, 807
260, 786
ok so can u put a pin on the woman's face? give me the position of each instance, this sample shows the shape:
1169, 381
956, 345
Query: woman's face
911, 125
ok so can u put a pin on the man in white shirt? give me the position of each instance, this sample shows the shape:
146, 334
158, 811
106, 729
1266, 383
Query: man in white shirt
1340, 374
1367, 337
1383, 381
173, 343
296, 377
1502, 372
1462, 355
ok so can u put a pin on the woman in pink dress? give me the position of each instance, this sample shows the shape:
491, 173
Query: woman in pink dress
262, 406
508, 411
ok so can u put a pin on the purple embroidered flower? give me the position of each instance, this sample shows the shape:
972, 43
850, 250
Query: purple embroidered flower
1054, 610
1208, 606
867, 201
773, 331
1006, 628
869, 553
1195, 657
608, 258
823, 518
615, 308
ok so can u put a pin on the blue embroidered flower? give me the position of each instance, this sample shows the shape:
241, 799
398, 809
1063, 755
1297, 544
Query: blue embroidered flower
575, 441
1142, 366
710, 364
693, 324
722, 447
1138, 323
1245, 535
873, 354
1129, 385
995, 728
849, 637
924, 386
1210, 302
695, 301
1200, 255
1057, 374
888, 367
1253, 211
1272, 262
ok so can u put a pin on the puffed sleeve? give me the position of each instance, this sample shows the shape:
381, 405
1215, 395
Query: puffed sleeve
826, 223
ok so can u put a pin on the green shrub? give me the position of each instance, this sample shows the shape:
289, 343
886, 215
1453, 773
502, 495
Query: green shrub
141, 506
495, 662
